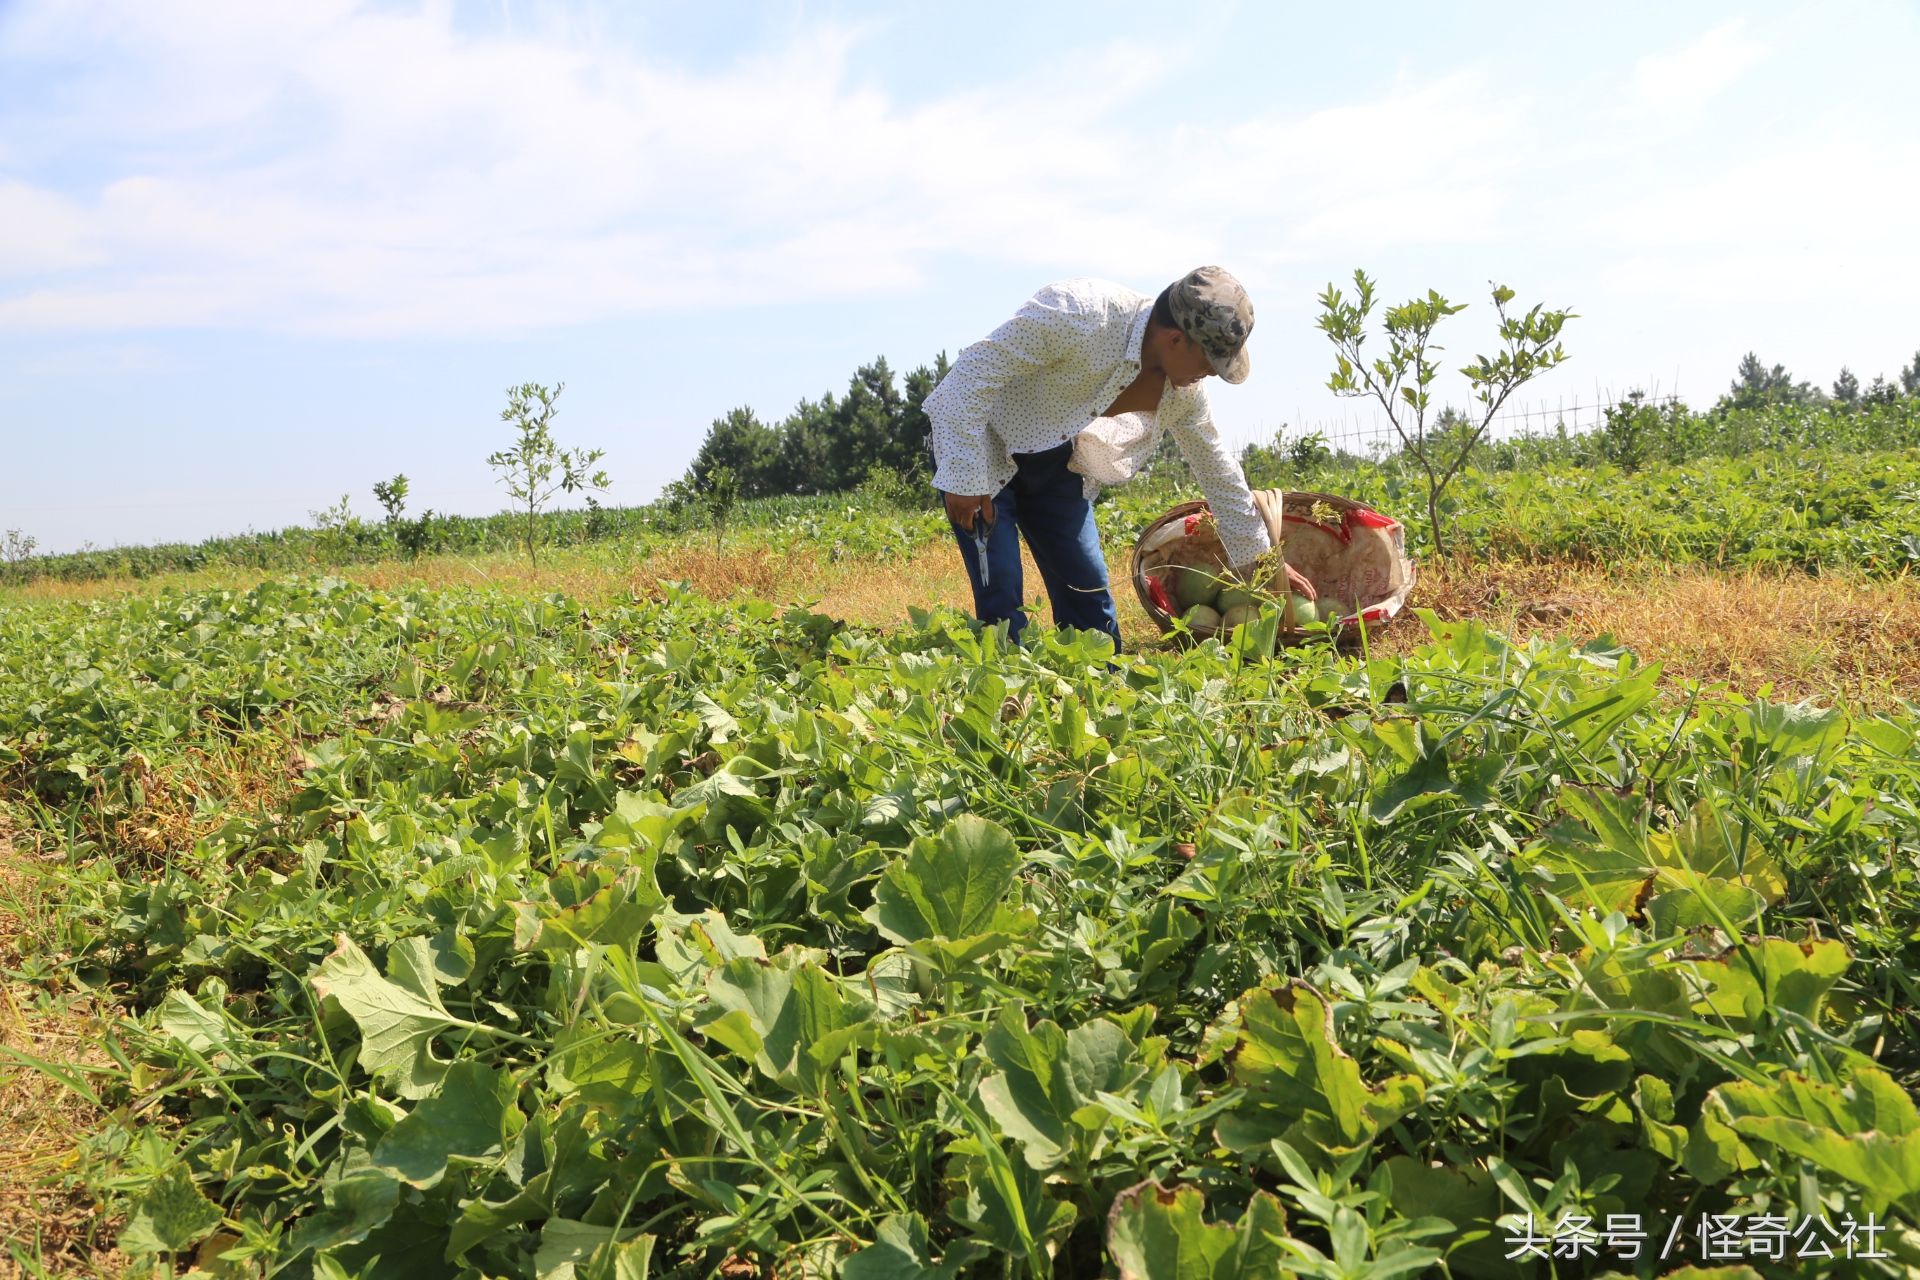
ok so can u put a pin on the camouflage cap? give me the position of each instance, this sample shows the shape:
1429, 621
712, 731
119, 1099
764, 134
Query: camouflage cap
1212, 309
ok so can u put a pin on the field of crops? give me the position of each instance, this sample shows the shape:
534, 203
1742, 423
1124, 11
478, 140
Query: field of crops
469, 934
1823, 506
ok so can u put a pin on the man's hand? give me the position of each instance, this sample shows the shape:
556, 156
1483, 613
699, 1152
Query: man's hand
1298, 584
962, 509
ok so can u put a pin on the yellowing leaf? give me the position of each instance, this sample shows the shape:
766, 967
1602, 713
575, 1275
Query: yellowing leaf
1866, 1132
1158, 1234
1296, 1076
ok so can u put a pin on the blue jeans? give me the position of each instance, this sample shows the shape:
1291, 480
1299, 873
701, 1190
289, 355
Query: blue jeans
1044, 502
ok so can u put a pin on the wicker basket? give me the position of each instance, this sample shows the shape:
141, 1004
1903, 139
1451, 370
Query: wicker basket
1345, 548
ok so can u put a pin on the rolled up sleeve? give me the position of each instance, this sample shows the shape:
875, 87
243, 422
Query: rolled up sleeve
1242, 532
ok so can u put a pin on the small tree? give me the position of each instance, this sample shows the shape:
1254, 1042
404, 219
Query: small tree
336, 532
1910, 376
712, 497
392, 495
1402, 379
410, 535
536, 468
17, 546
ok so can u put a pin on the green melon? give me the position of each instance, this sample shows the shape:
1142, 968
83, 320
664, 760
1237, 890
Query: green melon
1202, 617
1302, 611
1334, 609
1193, 584
1234, 597
1237, 615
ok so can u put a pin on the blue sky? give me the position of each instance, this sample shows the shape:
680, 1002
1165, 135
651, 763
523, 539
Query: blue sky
255, 256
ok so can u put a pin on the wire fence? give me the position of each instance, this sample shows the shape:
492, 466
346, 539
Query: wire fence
1370, 434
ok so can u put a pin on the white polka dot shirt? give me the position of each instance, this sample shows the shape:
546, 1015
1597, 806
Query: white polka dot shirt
1038, 380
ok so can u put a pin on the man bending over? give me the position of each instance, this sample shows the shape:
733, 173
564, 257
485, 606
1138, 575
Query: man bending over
1074, 391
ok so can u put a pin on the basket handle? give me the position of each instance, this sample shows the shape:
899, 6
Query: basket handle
1271, 506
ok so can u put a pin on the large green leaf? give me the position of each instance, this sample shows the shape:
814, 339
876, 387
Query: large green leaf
169, 1216
1608, 856
1045, 1095
1706, 903
576, 1166
607, 1070
1009, 1205
1867, 1132
1296, 1077
1597, 715
1465, 1196
570, 1249
900, 1251
1430, 773
397, 1023
470, 1116
410, 1245
728, 798
1653, 1099
425, 964
950, 889
352, 1206
787, 1015
588, 905
1158, 1234
687, 946
196, 1027
1797, 728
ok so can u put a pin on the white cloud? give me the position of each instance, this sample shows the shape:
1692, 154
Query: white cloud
339, 170
1685, 79
1823, 215
41, 231
1428, 164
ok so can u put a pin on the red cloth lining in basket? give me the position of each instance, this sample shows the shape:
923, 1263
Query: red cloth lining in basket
1365, 519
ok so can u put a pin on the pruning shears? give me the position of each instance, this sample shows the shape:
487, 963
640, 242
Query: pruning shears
982, 530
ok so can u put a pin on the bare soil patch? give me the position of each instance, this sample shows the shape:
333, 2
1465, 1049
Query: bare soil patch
47, 1221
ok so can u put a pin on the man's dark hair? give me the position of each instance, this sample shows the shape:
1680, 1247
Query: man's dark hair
1161, 317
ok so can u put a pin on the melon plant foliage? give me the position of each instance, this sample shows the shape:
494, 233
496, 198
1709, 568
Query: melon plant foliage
658, 937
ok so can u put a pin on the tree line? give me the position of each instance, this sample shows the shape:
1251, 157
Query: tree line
875, 433
1755, 386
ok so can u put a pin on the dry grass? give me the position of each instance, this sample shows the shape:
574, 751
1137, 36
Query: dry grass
191, 794
44, 1213
1828, 637
1845, 637
44, 1217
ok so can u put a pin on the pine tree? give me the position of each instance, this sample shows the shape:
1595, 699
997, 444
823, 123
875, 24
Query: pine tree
746, 447
1756, 386
1846, 388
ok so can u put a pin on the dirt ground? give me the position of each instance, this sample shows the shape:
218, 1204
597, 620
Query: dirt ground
47, 1225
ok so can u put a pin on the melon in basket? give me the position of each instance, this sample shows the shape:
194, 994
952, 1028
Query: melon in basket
1195, 584
1202, 618
1354, 557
